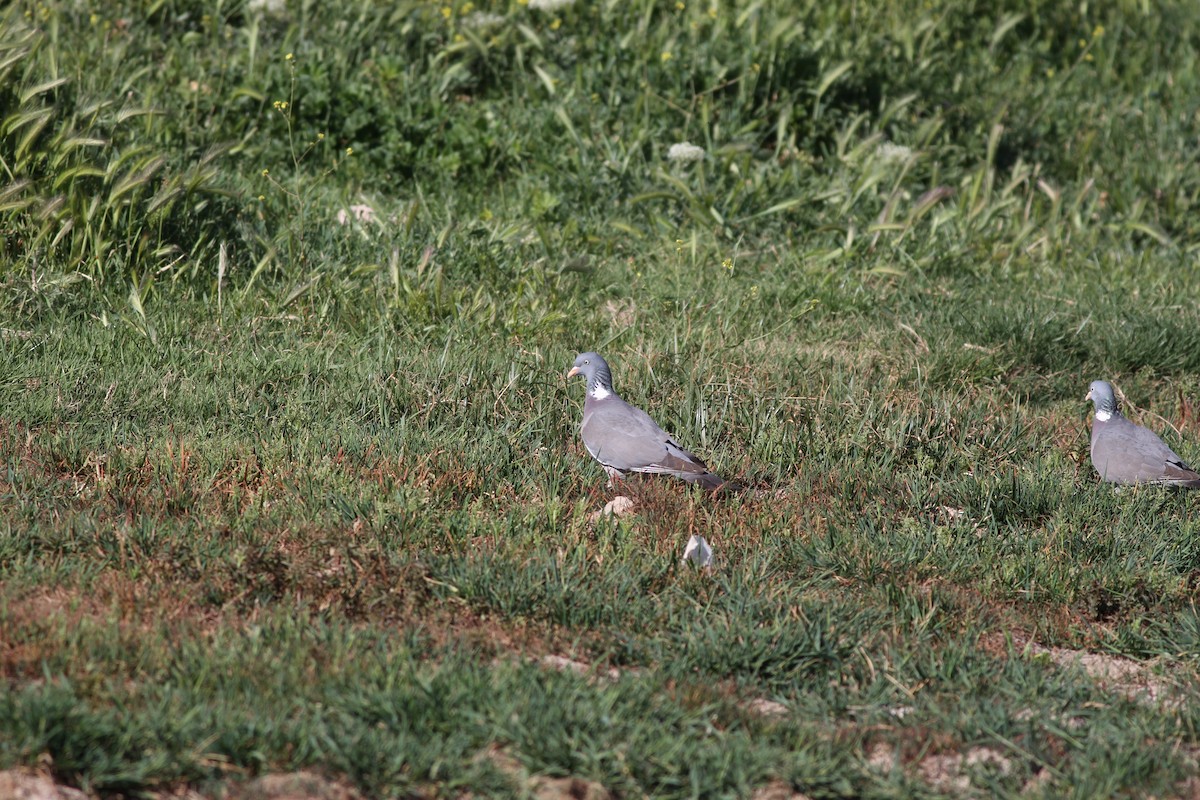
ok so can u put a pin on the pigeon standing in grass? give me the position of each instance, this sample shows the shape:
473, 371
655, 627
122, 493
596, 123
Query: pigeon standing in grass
1124, 453
624, 439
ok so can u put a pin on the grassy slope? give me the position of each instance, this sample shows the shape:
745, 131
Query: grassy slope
336, 517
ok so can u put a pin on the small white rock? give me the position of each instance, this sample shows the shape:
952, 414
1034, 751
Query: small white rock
619, 506
768, 708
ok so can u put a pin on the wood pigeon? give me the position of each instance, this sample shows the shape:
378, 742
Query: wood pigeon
1125, 453
624, 439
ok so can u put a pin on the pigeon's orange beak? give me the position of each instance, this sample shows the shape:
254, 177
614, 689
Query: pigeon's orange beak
1089, 396
573, 371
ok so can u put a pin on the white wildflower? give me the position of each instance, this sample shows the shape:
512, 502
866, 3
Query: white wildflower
685, 151
276, 7
550, 5
361, 213
889, 152
482, 19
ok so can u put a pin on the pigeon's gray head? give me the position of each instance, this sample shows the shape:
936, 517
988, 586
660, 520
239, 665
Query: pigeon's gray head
595, 369
1101, 394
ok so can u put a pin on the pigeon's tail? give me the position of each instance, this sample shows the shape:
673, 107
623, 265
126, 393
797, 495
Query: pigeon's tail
713, 482
1190, 484
1181, 476
683, 464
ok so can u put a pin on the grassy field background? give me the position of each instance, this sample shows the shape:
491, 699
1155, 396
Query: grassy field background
291, 475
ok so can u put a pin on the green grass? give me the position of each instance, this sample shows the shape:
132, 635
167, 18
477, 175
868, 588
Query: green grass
282, 493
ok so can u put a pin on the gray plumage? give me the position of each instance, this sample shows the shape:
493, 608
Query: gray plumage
1126, 453
624, 439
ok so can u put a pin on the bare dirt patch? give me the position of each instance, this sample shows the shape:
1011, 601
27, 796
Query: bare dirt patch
951, 772
946, 771
543, 787
763, 707
564, 664
881, 757
777, 790
294, 786
19, 784
1131, 679
621, 312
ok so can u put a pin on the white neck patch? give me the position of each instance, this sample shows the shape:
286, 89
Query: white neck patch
1102, 416
599, 392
